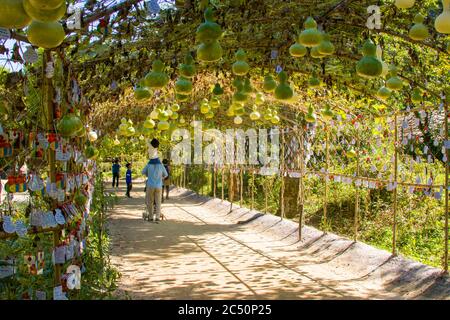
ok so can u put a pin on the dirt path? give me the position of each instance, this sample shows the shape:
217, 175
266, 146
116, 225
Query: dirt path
198, 253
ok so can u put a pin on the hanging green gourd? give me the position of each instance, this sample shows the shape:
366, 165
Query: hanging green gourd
297, 50
283, 91
325, 47
91, 152
404, 4
69, 125
208, 34
384, 93
163, 116
394, 82
142, 93
369, 66
248, 88
240, 67
327, 113
313, 82
269, 84
416, 96
310, 116
174, 116
442, 22
419, 31
187, 69
240, 95
384, 64
156, 79
255, 115
314, 53
239, 111
183, 86
218, 91
181, 97
310, 37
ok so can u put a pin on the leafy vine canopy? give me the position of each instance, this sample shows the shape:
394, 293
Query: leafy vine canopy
110, 57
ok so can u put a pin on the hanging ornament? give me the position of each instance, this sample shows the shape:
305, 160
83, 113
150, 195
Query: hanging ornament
404, 4
442, 22
419, 31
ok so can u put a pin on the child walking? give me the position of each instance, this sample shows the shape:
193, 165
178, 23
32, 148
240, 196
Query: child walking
128, 180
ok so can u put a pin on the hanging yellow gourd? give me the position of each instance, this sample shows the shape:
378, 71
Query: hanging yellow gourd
394, 82
156, 79
204, 107
230, 112
237, 120
240, 67
154, 114
13, 15
275, 118
327, 113
209, 115
240, 95
442, 22
269, 84
325, 47
163, 125
297, 50
310, 37
283, 91
208, 34
268, 115
255, 115
259, 98
419, 31
416, 96
369, 66
187, 69
404, 4
149, 123
214, 103
310, 115
383, 93
175, 107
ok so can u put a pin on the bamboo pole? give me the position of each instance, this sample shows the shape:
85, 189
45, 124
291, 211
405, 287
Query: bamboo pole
394, 224
48, 103
252, 204
356, 217
231, 189
223, 183
301, 193
282, 176
446, 188
214, 180
241, 186
327, 163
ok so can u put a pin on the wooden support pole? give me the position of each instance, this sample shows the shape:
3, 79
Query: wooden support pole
394, 223
446, 187
327, 164
252, 204
301, 193
356, 217
241, 186
48, 103
282, 170
214, 175
231, 189
223, 183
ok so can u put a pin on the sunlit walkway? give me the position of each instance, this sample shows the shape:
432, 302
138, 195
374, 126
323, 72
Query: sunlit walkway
204, 252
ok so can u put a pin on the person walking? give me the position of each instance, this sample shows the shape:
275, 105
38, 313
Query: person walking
166, 181
128, 180
115, 172
155, 173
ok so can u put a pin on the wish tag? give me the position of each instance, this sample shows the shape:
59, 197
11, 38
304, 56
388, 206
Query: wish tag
74, 276
70, 250
59, 255
59, 217
58, 293
8, 225
30, 55
437, 195
278, 69
5, 34
61, 195
41, 295
21, 228
50, 220
447, 144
